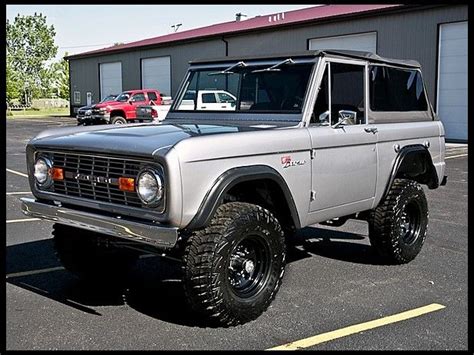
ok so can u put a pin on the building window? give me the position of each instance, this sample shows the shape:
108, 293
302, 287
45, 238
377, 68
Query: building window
77, 97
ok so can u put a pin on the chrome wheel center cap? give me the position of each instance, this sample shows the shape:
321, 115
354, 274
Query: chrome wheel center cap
249, 266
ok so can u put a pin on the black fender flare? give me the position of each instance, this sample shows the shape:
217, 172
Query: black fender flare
414, 161
229, 179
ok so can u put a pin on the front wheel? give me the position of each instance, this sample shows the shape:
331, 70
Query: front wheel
118, 120
234, 267
397, 228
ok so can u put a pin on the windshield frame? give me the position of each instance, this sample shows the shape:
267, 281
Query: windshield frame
209, 115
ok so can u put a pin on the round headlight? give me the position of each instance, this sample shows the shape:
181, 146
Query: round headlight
41, 174
149, 187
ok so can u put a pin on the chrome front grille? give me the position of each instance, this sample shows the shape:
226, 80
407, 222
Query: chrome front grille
96, 177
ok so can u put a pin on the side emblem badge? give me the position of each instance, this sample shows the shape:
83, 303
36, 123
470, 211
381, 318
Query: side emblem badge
286, 162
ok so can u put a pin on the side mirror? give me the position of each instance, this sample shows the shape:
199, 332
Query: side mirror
345, 117
324, 117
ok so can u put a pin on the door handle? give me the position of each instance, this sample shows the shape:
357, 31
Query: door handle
371, 130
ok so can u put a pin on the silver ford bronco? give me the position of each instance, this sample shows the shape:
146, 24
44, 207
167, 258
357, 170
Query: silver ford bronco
274, 144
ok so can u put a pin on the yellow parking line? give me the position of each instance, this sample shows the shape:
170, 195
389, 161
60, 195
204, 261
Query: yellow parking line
16, 172
353, 329
456, 156
23, 220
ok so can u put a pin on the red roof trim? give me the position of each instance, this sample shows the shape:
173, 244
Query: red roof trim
259, 22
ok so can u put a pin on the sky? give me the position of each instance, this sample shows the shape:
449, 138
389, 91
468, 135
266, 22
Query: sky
82, 28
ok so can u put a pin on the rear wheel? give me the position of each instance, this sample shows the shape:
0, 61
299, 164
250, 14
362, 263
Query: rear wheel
234, 267
82, 253
118, 120
397, 228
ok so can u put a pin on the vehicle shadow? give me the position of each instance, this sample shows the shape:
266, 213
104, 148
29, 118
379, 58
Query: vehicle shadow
333, 244
154, 286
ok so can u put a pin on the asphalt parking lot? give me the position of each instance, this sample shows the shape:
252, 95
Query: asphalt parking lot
332, 281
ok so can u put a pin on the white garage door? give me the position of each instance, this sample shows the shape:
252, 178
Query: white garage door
360, 42
452, 80
110, 79
156, 74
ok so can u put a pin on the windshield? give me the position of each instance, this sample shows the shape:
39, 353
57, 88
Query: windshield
124, 96
108, 98
256, 89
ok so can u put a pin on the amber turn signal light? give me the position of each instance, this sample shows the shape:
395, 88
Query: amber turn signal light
57, 174
127, 184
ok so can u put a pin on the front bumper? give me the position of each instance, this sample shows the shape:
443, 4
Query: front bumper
84, 119
142, 232
99, 116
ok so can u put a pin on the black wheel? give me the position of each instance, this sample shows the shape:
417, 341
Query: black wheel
80, 253
397, 228
118, 120
233, 268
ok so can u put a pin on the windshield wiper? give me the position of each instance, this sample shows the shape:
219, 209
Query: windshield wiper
229, 69
274, 67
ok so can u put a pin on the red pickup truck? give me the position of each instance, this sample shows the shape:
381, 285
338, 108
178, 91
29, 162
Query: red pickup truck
123, 109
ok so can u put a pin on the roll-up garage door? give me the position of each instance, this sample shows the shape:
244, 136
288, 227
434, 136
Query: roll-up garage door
156, 74
110, 79
360, 42
452, 80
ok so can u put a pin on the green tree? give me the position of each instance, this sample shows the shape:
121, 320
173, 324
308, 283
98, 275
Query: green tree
59, 75
13, 85
30, 43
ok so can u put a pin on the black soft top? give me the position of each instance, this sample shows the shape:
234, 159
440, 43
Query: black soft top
371, 57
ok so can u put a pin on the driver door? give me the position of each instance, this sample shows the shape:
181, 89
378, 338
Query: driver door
344, 164
136, 100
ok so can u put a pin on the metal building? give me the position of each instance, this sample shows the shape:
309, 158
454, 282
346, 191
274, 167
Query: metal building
434, 35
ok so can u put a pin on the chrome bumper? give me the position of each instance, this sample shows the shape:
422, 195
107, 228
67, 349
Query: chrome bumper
143, 232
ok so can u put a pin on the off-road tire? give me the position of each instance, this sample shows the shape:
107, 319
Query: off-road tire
118, 120
388, 225
78, 251
207, 271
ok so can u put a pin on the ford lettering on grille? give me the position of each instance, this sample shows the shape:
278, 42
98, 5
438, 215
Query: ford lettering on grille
92, 178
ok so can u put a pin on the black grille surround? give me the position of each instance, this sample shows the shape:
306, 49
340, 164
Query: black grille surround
95, 177
96, 111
